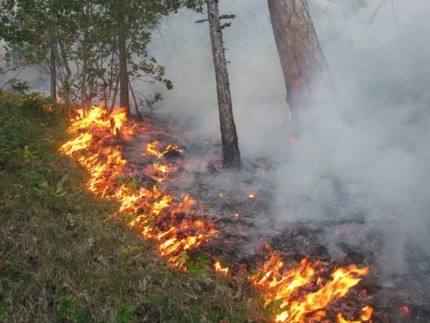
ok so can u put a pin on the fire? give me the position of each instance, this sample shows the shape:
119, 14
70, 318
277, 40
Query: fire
159, 172
153, 149
79, 143
220, 268
300, 293
177, 227
366, 313
174, 224
366, 316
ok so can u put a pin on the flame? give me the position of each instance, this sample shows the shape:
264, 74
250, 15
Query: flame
97, 145
153, 149
366, 313
79, 143
176, 226
300, 293
366, 316
159, 172
220, 268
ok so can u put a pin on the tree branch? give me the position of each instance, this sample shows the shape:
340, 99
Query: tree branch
376, 11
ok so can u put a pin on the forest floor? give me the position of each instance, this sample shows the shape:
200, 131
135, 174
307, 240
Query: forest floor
240, 202
63, 259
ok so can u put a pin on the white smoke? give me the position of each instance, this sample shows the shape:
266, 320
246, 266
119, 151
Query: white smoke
365, 155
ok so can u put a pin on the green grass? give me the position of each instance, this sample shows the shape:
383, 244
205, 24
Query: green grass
62, 256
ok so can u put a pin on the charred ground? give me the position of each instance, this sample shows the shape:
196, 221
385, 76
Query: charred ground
241, 204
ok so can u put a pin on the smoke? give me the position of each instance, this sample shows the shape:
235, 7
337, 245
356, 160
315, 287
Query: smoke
256, 80
365, 155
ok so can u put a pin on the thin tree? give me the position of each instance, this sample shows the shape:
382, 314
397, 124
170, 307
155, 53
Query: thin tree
124, 95
130, 24
53, 72
303, 62
230, 145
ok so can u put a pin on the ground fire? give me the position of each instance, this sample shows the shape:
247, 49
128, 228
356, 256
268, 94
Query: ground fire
290, 293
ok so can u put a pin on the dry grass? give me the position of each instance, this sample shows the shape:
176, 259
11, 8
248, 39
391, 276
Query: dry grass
63, 258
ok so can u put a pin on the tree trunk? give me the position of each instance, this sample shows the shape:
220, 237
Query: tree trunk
53, 70
115, 92
124, 97
303, 63
136, 106
85, 98
230, 145
111, 77
67, 84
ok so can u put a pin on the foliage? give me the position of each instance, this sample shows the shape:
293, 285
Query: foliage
19, 86
66, 310
126, 314
199, 265
81, 37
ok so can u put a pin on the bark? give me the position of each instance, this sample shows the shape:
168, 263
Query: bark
115, 92
85, 99
111, 78
67, 84
53, 71
124, 97
230, 145
303, 63
136, 105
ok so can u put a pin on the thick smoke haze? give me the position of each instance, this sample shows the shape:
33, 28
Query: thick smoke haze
365, 155
255, 76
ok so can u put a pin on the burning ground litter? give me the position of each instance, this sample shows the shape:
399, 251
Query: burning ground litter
311, 290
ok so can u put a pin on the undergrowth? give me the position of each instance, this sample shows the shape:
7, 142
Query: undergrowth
62, 256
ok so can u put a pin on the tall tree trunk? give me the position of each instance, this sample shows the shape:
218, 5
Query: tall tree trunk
53, 70
230, 145
124, 97
85, 100
84, 92
67, 84
136, 105
112, 78
115, 92
303, 63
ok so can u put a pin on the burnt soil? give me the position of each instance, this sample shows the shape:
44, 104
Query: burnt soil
246, 225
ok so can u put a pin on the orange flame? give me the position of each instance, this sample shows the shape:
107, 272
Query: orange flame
220, 268
176, 227
159, 172
284, 287
153, 149
366, 316
155, 214
79, 143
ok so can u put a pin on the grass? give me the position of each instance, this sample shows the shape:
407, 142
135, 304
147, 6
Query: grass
63, 258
